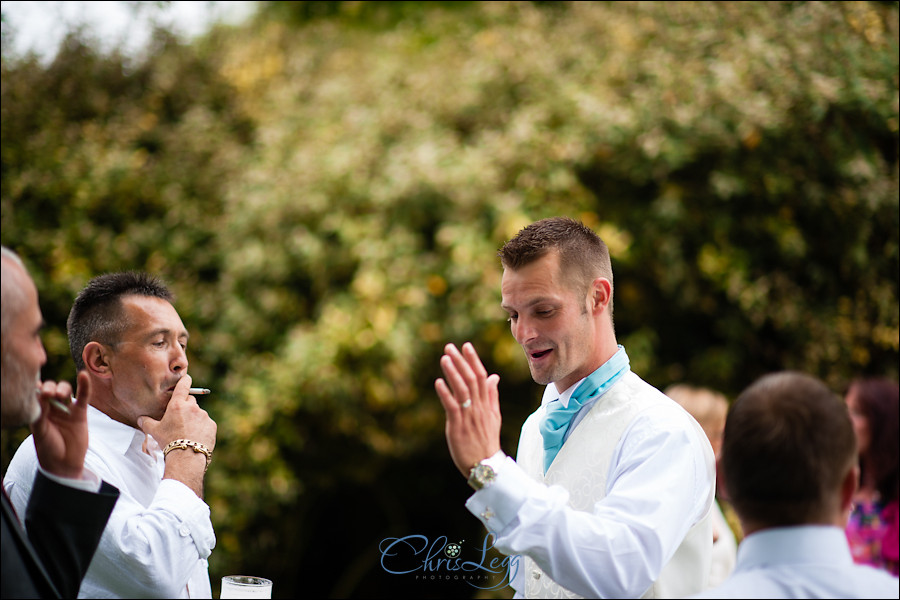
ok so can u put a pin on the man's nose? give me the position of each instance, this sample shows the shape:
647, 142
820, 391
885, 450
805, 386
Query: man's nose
524, 330
180, 360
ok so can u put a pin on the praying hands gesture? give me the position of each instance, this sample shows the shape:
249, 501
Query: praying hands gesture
472, 404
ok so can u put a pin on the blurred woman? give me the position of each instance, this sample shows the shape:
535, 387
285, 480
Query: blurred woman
874, 523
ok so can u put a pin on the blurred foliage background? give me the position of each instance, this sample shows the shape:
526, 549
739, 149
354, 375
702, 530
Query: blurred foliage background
325, 188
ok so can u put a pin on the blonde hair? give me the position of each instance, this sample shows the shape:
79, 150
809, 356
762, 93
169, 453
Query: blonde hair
708, 407
704, 404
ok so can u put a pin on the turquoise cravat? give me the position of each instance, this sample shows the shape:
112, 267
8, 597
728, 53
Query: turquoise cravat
556, 422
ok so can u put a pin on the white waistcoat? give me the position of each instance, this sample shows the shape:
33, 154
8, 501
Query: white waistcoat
582, 466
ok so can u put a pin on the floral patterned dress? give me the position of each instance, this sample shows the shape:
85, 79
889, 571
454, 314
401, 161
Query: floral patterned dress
872, 534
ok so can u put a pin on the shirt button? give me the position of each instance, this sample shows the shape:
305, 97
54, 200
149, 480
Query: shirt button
536, 574
184, 530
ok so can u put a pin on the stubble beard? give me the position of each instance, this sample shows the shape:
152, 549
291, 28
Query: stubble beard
20, 404
546, 375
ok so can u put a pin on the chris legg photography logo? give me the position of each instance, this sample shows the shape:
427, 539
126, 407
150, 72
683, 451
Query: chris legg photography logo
443, 559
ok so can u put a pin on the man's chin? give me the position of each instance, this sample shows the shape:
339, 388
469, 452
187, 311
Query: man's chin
35, 412
541, 378
30, 409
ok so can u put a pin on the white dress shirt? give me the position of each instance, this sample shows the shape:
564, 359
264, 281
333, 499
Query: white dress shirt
159, 535
658, 486
811, 561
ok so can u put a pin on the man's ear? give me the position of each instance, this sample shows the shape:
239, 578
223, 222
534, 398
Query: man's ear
601, 292
848, 489
96, 360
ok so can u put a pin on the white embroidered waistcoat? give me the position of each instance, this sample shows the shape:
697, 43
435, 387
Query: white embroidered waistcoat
582, 466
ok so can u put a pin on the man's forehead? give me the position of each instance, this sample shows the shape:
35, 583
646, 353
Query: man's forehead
146, 303
150, 312
15, 276
544, 270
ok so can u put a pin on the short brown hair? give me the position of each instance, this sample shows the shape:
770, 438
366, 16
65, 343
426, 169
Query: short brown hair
97, 314
583, 256
788, 445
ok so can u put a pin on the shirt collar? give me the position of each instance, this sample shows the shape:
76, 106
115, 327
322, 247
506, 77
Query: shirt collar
551, 393
117, 436
802, 544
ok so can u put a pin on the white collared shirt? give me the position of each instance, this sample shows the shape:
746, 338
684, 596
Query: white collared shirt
159, 536
809, 561
630, 532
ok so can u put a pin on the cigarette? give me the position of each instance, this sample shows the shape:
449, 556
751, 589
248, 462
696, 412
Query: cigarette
198, 391
59, 406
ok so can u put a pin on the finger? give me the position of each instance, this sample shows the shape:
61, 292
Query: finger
493, 397
454, 379
182, 388
462, 369
147, 424
55, 397
478, 370
474, 360
451, 406
60, 390
447, 365
467, 375
82, 391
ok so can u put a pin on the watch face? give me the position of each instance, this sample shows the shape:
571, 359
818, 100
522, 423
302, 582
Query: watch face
484, 474
480, 476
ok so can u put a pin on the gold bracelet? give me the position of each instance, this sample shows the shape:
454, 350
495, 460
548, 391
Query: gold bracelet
183, 444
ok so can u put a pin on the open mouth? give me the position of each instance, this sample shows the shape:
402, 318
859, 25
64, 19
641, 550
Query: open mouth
540, 354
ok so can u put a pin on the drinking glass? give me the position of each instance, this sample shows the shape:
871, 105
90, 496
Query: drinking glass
245, 586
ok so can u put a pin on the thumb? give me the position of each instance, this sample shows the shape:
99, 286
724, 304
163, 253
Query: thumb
493, 383
82, 390
147, 424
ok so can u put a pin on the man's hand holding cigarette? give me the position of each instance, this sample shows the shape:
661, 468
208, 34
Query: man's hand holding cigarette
61, 434
183, 420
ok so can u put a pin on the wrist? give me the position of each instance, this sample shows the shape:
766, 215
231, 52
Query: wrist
86, 480
484, 472
189, 445
64, 468
62, 474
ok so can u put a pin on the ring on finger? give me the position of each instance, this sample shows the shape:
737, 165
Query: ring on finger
467, 403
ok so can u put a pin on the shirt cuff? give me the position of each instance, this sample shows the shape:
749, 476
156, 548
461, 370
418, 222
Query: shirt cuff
89, 482
497, 504
192, 512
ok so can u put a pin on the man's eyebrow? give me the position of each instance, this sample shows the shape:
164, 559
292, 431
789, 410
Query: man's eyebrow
530, 303
165, 331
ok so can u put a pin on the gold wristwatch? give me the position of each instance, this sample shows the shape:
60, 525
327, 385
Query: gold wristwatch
481, 475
